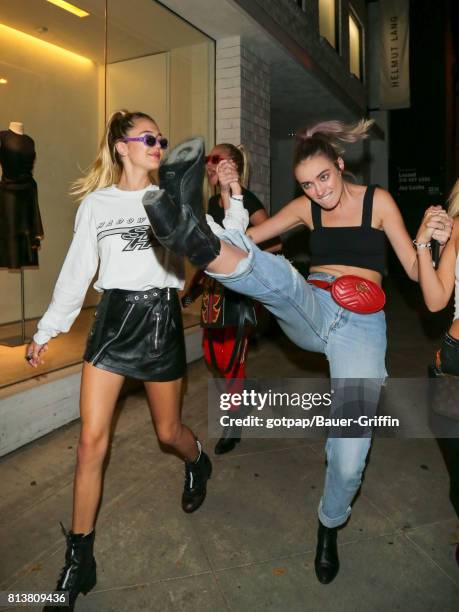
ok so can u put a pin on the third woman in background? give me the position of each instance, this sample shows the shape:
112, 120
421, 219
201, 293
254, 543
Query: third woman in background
437, 287
224, 349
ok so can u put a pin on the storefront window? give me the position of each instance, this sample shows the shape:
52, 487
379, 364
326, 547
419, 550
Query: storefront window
161, 65
355, 45
61, 75
328, 21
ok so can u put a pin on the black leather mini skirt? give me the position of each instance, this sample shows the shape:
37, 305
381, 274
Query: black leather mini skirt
138, 334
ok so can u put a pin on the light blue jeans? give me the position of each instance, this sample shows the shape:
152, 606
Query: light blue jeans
355, 346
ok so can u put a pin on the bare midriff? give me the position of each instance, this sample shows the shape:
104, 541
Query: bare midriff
338, 270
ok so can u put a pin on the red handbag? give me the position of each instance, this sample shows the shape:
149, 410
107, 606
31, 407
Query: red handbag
354, 293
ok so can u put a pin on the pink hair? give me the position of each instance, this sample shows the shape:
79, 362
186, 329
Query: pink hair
325, 137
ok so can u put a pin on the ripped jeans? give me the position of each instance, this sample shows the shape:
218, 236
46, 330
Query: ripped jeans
354, 344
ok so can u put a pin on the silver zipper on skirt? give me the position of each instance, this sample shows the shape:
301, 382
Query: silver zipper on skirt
158, 318
116, 336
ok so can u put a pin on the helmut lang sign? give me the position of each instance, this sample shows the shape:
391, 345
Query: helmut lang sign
394, 39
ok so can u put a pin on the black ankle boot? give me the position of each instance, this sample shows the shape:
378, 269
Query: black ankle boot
79, 572
175, 211
197, 473
231, 435
179, 231
326, 562
181, 175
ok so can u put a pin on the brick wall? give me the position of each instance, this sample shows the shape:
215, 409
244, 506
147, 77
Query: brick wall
243, 108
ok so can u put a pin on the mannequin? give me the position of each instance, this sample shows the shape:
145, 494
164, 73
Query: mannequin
20, 222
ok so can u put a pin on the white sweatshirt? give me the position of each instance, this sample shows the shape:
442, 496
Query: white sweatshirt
112, 231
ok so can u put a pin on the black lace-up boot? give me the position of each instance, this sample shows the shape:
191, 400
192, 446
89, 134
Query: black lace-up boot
197, 473
326, 562
79, 572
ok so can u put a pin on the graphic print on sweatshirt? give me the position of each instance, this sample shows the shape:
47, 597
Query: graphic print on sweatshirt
135, 237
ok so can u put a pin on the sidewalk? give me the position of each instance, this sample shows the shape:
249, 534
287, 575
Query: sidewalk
251, 545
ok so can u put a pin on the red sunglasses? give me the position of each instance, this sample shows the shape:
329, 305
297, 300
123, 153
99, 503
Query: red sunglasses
213, 159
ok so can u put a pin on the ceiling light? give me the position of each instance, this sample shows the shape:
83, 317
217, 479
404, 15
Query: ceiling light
3, 81
45, 46
71, 8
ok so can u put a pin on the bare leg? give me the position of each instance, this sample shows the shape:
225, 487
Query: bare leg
164, 399
227, 260
99, 392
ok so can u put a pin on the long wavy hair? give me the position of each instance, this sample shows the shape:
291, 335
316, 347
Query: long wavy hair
107, 167
453, 200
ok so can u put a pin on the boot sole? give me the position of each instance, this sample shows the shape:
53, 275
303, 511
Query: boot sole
184, 152
181, 159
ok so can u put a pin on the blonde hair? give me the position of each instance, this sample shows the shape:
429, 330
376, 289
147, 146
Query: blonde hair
107, 167
326, 138
453, 200
240, 157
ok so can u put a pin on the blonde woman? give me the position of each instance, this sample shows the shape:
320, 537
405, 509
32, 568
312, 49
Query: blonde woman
224, 348
137, 331
437, 288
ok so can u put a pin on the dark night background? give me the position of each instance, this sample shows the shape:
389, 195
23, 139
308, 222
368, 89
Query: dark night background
423, 138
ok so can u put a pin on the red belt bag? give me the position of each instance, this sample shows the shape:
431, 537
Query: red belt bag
354, 293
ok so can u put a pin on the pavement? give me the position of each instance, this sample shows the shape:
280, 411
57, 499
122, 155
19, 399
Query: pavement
251, 545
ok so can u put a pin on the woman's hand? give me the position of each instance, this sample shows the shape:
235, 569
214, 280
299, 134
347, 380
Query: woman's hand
435, 224
228, 177
34, 353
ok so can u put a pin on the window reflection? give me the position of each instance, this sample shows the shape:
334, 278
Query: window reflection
355, 46
327, 21
61, 76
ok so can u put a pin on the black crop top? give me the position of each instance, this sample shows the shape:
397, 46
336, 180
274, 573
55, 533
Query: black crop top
362, 246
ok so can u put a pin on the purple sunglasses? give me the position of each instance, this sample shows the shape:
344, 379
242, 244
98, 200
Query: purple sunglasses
149, 140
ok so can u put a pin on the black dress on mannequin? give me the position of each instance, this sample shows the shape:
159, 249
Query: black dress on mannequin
20, 222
